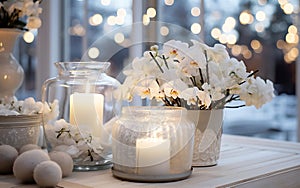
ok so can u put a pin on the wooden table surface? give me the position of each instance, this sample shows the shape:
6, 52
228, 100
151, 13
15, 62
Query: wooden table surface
244, 162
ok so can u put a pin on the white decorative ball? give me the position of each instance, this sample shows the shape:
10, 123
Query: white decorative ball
28, 147
8, 155
64, 160
47, 174
26, 162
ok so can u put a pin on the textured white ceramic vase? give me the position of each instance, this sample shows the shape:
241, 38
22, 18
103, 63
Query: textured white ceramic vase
11, 73
207, 139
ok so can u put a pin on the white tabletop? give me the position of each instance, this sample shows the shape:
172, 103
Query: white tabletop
244, 162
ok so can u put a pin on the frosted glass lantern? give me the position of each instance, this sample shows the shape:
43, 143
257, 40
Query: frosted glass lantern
83, 96
152, 144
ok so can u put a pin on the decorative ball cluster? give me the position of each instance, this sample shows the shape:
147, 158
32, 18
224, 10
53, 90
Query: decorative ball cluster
32, 164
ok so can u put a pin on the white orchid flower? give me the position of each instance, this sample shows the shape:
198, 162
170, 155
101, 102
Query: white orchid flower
190, 95
147, 88
257, 92
174, 88
175, 49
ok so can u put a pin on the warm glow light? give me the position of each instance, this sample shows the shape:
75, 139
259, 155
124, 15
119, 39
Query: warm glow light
146, 19
287, 59
230, 21
223, 39
255, 44
196, 28
195, 11
282, 2
119, 37
288, 8
93, 52
95, 20
236, 50
262, 2
246, 18
77, 30
260, 16
164, 31
226, 28
215, 33
291, 38
151, 12
119, 20
247, 54
280, 44
121, 12
111, 20
105, 2
231, 39
293, 29
28, 37
294, 53
169, 2
259, 27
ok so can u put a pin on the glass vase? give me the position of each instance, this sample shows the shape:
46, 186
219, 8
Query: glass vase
152, 144
11, 72
81, 100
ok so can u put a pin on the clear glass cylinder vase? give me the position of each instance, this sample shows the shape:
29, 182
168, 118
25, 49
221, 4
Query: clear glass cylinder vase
152, 144
81, 100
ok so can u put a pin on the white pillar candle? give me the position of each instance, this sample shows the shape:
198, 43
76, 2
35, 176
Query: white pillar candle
153, 156
86, 111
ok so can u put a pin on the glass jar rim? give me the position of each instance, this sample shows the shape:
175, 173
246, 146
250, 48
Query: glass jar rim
81, 67
85, 63
22, 120
154, 110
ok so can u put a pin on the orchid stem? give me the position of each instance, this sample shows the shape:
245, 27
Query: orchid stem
166, 63
156, 62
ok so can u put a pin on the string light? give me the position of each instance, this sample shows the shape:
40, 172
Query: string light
28, 37
93, 52
246, 18
119, 37
95, 20
195, 11
169, 2
260, 16
105, 2
215, 33
164, 31
288, 8
151, 12
196, 28
111, 20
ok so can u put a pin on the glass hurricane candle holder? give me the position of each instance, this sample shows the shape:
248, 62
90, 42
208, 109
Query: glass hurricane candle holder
152, 144
82, 96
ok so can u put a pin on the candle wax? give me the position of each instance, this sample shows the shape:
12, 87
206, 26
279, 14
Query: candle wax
86, 111
153, 156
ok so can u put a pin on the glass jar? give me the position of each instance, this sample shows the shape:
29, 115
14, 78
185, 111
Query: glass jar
20, 130
157, 143
81, 97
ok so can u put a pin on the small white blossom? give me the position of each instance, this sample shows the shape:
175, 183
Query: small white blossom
174, 88
147, 88
257, 92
